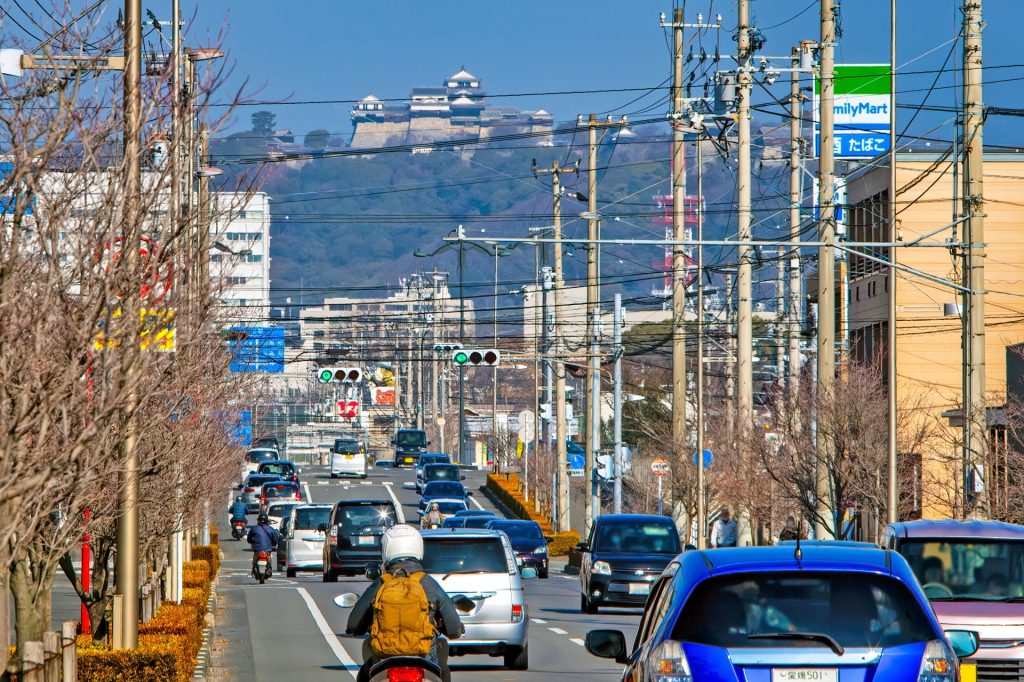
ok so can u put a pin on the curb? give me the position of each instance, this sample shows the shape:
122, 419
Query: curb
201, 671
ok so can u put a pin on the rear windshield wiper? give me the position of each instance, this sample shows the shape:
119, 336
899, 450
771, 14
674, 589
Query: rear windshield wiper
465, 572
827, 640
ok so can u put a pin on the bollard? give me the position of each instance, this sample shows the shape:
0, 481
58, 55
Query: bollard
69, 655
32, 658
52, 656
118, 621
146, 603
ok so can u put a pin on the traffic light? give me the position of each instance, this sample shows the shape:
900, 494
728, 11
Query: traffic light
335, 375
477, 357
442, 348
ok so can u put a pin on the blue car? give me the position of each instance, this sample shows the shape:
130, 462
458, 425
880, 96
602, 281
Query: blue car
775, 614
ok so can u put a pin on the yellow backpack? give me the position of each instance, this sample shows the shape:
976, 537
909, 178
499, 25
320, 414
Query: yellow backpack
401, 617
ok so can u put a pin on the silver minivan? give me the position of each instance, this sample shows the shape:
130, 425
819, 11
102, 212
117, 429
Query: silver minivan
480, 564
302, 544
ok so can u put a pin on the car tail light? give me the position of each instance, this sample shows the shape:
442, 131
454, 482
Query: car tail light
670, 664
517, 613
406, 675
249, 490
937, 663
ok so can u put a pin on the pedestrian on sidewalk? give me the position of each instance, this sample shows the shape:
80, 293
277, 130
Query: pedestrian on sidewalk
724, 532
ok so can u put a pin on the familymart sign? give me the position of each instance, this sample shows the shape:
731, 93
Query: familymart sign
863, 102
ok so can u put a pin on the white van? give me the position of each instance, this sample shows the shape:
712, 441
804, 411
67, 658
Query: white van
348, 462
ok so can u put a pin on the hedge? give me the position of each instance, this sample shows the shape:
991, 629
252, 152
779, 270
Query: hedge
506, 488
169, 643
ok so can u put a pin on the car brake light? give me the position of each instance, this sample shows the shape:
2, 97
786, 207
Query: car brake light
249, 490
670, 664
517, 613
406, 675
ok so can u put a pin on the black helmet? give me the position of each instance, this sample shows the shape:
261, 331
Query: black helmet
238, 499
262, 518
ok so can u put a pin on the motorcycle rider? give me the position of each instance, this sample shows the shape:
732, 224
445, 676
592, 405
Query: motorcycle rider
432, 519
263, 537
238, 510
402, 552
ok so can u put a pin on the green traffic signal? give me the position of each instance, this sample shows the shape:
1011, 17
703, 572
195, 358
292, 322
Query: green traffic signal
460, 357
326, 375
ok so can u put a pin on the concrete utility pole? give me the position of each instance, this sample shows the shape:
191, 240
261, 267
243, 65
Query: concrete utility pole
127, 575
556, 352
795, 199
974, 210
702, 510
744, 326
617, 404
826, 361
592, 437
679, 440
594, 421
892, 506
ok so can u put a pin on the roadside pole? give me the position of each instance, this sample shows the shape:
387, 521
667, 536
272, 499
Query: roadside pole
594, 422
617, 402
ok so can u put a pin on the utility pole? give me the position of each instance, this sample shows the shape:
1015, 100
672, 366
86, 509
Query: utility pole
679, 440
826, 361
617, 403
795, 200
127, 575
175, 546
462, 340
702, 510
556, 351
744, 326
974, 210
892, 515
594, 422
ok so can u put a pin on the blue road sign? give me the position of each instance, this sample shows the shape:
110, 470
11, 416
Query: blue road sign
256, 349
241, 430
708, 458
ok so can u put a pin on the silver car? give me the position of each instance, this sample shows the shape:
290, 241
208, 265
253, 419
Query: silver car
481, 565
302, 545
252, 489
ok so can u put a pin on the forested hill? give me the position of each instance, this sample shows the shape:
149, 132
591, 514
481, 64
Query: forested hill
345, 222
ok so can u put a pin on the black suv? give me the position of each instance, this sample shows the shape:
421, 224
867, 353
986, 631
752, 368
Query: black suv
409, 445
353, 536
622, 557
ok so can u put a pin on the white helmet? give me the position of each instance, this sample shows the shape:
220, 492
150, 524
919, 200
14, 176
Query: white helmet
401, 542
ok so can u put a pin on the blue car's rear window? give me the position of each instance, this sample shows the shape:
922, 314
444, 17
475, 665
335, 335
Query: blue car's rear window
854, 609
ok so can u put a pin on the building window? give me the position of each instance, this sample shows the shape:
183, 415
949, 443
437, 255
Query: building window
236, 281
251, 258
339, 306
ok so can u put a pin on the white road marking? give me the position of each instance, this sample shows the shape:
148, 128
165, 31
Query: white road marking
567, 577
478, 505
365, 482
394, 498
305, 486
323, 482
332, 640
558, 631
576, 640
538, 621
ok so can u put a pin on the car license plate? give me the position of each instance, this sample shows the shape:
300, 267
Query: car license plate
968, 671
639, 588
805, 675
364, 539
348, 456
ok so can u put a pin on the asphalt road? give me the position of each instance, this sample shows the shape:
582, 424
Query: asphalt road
290, 629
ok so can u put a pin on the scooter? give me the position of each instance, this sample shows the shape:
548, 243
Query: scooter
404, 667
261, 570
238, 529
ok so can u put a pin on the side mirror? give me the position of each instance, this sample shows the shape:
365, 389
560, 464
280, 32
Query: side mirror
469, 493
346, 600
393, 441
372, 572
322, 528
607, 644
548, 539
462, 478
689, 548
428, 443
583, 547
964, 642
528, 573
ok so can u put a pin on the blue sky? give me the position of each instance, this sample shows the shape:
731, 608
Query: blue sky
331, 50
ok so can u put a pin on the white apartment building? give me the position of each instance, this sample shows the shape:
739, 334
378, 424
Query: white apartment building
240, 255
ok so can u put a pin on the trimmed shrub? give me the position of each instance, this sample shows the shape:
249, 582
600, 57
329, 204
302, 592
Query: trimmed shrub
158, 659
214, 535
209, 554
506, 488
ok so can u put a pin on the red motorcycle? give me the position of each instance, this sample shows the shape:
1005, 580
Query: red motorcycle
238, 529
261, 568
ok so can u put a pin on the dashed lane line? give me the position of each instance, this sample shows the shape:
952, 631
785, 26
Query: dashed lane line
538, 621
558, 631
576, 640
332, 640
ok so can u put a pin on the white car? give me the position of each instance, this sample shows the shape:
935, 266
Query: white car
348, 464
480, 565
278, 511
302, 543
255, 457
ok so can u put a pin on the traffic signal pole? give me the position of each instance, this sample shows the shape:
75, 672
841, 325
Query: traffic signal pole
462, 340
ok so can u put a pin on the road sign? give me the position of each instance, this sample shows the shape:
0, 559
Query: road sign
348, 409
861, 110
660, 466
256, 349
708, 458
